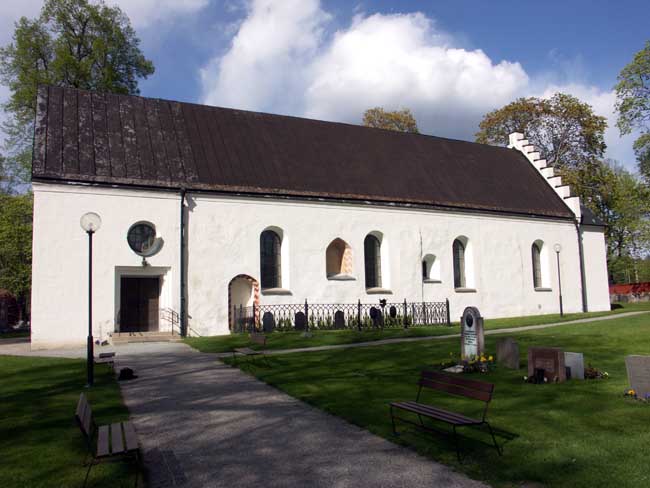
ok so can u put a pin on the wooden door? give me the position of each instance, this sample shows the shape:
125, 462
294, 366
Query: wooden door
139, 304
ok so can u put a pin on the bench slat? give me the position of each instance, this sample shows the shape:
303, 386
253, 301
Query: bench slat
116, 438
104, 355
456, 390
102, 441
456, 380
437, 413
130, 436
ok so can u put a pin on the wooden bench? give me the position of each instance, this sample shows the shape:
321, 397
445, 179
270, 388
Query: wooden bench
106, 358
454, 385
247, 351
106, 442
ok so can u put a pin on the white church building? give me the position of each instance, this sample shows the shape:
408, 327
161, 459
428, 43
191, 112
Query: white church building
206, 211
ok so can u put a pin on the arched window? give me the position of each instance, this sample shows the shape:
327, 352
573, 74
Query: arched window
459, 264
537, 265
338, 258
372, 257
270, 260
430, 268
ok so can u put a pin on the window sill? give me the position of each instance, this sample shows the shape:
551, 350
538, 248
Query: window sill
543, 288
378, 291
465, 290
429, 280
275, 291
341, 277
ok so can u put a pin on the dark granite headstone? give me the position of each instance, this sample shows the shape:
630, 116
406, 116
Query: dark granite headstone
300, 320
392, 311
268, 322
339, 319
472, 341
550, 359
376, 316
508, 353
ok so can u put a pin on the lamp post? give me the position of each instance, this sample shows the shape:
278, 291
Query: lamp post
557, 249
90, 222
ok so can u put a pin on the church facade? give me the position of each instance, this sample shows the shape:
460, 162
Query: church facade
204, 210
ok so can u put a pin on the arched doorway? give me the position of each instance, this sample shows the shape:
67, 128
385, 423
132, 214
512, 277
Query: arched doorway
244, 292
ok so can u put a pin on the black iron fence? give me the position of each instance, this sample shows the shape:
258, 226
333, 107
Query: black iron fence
332, 316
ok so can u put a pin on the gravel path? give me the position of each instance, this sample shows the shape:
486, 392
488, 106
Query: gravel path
202, 423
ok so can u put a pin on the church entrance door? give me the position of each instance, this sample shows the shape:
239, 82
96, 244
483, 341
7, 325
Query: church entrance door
139, 299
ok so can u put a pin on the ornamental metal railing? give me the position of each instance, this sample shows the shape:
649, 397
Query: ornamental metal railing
335, 316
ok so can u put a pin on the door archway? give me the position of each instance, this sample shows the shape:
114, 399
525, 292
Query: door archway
243, 291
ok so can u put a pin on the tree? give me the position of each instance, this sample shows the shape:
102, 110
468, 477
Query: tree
633, 105
72, 43
16, 247
399, 120
565, 130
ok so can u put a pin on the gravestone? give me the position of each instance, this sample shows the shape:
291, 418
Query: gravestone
268, 322
550, 359
638, 374
300, 320
575, 362
392, 311
472, 341
376, 316
508, 353
339, 319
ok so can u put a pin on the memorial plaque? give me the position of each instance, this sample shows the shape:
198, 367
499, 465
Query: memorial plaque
339, 319
575, 362
550, 359
268, 322
300, 320
471, 333
638, 374
508, 353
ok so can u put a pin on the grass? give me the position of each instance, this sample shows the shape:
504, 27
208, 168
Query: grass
14, 334
39, 441
575, 434
289, 340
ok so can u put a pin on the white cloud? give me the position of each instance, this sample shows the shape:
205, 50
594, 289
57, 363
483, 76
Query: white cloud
282, 60
265, 65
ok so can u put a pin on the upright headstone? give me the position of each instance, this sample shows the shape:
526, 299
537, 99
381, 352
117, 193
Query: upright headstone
268, 322
549, 359
508, 353
638, 373
300, 321
472, 341
575, 363
339, 319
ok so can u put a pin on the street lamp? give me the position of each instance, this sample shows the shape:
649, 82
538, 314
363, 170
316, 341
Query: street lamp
90, 222
557, 249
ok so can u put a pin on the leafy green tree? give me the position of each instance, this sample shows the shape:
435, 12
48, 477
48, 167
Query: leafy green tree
633, 105
398, 120
72, 43
16, 247
565, 130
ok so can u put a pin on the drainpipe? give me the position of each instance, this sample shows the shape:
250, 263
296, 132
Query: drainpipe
183, 314
582, 267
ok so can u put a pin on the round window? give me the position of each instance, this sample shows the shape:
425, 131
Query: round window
142, 238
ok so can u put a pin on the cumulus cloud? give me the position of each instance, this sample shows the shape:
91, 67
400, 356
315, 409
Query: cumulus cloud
283, 59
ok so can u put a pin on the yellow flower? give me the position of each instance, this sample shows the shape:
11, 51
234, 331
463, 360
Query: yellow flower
491, 358
631, 392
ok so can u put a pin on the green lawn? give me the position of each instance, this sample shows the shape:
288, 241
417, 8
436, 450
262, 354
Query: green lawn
288, 340
580, 433
14, 334
39, 441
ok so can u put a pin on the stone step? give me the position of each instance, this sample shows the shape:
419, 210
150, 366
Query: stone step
133, 337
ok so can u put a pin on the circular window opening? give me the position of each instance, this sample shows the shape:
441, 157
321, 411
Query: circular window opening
142, 239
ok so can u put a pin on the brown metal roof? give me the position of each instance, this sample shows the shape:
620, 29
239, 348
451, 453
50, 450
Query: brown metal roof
128, 140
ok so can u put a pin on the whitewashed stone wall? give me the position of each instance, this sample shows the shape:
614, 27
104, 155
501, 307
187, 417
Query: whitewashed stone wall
223, 242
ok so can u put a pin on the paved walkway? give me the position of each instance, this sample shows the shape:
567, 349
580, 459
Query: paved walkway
204, 424
381, 342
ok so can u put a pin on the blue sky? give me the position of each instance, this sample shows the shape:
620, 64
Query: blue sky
449, 61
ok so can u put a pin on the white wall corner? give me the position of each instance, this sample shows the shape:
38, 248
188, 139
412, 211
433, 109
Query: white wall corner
518, 141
